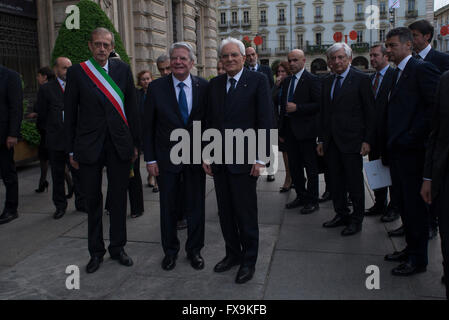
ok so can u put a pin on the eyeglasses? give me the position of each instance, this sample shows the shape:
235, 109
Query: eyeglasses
98, 45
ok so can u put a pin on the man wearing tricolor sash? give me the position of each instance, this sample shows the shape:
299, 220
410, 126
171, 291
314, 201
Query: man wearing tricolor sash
102, 129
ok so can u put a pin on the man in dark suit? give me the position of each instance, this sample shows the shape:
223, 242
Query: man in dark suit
239, 99
381, 83
300, 103
347, 131
11, 110
422, 31
102, 129
50, 101
435, 187
175, 102
409, 111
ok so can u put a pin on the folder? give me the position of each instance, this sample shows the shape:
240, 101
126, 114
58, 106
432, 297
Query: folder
377, 174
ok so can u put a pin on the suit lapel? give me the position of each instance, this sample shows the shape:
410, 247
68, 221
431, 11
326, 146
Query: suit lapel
346, 84
241, 87
403, 77
195, 92
386, 82
173, 101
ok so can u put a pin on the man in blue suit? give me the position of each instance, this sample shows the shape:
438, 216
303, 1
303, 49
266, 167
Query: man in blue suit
409, 111
175, 102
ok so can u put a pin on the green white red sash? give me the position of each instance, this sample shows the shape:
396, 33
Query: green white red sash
105, 83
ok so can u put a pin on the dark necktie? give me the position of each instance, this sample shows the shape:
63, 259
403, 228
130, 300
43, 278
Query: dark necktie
182, 101
232, 87
291, 91
337, 87
376, 83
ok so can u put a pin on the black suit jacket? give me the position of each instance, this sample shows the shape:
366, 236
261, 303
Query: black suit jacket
251, 107
89, 115
437, 153
348, 119
410, 106
439, 59
50, 101
11, 104
162, 116
307, 97
266, 70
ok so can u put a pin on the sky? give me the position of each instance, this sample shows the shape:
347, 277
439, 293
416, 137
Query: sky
440, 3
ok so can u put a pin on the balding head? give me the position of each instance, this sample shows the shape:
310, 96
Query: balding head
296, 60
61, 66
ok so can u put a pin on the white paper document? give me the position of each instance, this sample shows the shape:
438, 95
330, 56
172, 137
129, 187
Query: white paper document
377, 174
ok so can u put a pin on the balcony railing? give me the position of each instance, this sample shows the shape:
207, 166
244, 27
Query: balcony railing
383, 15
264, 51
246, 23
263, 23
338, 17
223, 24
315, 49
359, 16
360, 47
235, 24
318, 19
282, 50
412, 14
281, 21
299, 19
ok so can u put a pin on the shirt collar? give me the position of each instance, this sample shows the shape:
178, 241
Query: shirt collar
187, 82
345, 73
61, 82
425, 51
236, 77
106, 66
404, 61
382, 72
299, 74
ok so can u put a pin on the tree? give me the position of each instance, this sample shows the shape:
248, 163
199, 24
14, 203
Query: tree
72, 43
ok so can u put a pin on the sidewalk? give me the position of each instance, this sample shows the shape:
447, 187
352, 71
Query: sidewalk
298, 259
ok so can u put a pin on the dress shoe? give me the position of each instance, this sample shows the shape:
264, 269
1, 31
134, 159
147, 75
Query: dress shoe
399, 256
270, 178
43, 186
196, 261
375, 210
309, 208
59, 214
407, 269
399, 232
337, 221
169, 262
226, 264
391, 215
295, 203
433, 232
123, 259
325, 196
8, 216
94, 264
351, 229
136, 215
181, 224
285, 189
244, 274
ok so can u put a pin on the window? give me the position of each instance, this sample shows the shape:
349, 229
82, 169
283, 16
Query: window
381, 35
281, 14
223, 17
318, 11
234, 17
246, 16
338, 10
299, 12
383, 7
411, 5
282, 41
263, 16
318, 39
300, 40
264, 42
359, 36
359, 8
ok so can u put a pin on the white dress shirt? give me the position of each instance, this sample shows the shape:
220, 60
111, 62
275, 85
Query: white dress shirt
298, 76
425, 51
187, 90
343, 75
236, 77
402, 65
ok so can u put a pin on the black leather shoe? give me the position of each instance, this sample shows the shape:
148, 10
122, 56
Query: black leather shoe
398, 256
270, 178
169, 262
8, 216
226, 264
196, 261
337, 221
399, 232
58, 214
325, 196
309, 208
245, 274
295, 203
375, 210
391, 215
351, 229
123, 259
407, 269
433, 231
94, 264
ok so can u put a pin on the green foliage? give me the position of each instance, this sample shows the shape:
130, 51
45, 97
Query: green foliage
29, 133
73, 43
246, 43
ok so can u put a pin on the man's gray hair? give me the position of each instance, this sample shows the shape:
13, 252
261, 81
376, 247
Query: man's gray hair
101, 30
234, 41
162, 58
184, 45
382, 47
337, 46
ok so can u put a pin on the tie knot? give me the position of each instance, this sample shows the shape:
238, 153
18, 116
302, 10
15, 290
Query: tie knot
294, 77
339, 77
181, 85
232, 81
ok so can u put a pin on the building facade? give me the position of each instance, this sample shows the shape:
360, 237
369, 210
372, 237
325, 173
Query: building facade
311, 25
441, 41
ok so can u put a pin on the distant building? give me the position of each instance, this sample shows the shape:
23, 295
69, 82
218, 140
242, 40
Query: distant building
311, 24
441, 42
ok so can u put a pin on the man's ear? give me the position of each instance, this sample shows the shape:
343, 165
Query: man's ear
427, 37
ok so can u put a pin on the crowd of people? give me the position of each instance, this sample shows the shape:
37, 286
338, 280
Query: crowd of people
91, 116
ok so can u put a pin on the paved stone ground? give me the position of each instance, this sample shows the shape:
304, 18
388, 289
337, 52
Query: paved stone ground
298, 259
